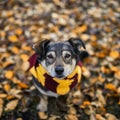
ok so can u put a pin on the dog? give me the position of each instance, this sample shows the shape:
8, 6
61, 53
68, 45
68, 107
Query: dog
56, 67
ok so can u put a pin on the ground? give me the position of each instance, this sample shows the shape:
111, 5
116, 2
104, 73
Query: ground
97, 23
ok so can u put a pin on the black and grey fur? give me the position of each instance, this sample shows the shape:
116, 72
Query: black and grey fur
59, 59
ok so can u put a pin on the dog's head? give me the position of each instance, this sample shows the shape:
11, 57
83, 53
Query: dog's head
60, 58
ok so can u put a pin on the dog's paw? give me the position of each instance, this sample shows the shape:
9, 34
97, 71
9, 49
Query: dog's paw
43, 105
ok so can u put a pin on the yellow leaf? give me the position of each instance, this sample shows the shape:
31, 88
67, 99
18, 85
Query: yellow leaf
86, 103
7, 87
80, 29
15, 50
114, 54
13, 38
9, 74
19, 31
24, 57
27, 48
110, 87
7, 63
23, 85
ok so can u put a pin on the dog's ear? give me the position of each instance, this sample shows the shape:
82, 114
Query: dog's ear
40, 46
77, 43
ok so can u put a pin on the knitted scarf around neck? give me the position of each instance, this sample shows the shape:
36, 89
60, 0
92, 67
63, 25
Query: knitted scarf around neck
59, 86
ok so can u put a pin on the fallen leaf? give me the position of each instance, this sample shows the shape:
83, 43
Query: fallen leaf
53, 117
84, 37
1, 107
105, 70
101, 79
15, 93
15, 50
100, 97
72, 111
7, 87
99, 117
110, 116
25, 66
9, 74
114, 54
11, 105
24, 57
93, 37
19, 119
26, 48
3, 95
13, 38
19, 31
7, 63
71, 117
2, 34
42, 115
86, 103
80, 29
23, 85
117, 74
110, 86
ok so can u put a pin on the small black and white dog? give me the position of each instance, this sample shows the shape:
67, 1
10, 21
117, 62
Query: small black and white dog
59, 59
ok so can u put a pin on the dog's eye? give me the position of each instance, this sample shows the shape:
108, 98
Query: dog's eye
67, 56
50, 56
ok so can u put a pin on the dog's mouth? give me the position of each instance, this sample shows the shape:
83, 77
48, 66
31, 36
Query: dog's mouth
60, 76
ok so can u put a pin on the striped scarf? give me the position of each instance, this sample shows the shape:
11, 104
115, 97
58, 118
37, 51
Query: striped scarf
59, 86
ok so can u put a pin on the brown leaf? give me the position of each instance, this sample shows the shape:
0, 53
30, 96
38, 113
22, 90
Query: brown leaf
15, 93
1, 107
11, 105
117, 74
72, 111
100, 97
71, 117
99, 117
110, 116
42, 115
105, 70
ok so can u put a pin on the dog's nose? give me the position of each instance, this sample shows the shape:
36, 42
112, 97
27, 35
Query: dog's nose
59, 70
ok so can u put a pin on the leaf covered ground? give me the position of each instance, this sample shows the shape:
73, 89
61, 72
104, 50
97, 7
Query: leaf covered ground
97, 23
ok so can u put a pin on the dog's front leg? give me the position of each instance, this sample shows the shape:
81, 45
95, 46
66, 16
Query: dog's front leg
43, 104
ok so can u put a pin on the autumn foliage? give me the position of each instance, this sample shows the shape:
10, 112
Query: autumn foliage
23, 23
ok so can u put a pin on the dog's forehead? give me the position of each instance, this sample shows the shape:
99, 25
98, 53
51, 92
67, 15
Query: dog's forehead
59, 46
